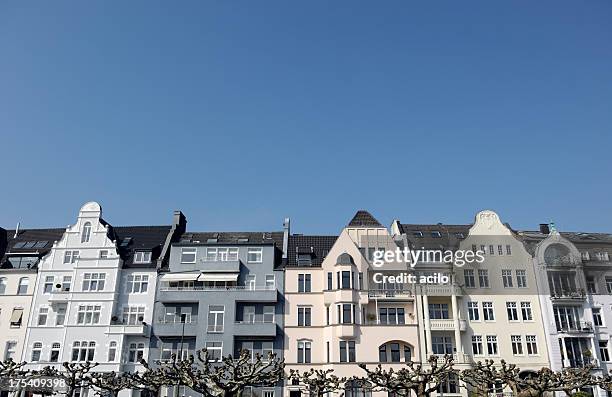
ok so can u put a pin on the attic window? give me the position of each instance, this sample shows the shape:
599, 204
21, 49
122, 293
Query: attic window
243, 240
126, 241
142, 257
41, 244
304, 259
212, 240
19, 245
30, 244
418, 233
436, 234
459, 235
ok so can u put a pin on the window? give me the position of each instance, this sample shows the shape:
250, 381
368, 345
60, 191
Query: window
609, 284
103, 254
43, 312
507, 278
330, 281
16, 317
86, 234
591, 285
304, 282
215, 350
142, 257
112, 351
438, 311
483, 278
392, 315
48, 285
347, 351
304, 355
483, 249
508, 249
491, 250
521, 278
468, 276
392, 352
22, 289
250, 281
526, 311
55, 352
215, 318
71, 256
477, 345
517, 345
188, 255
500, 250
10, 350
473, 312
93, 281
2, 285
135, 352
597, 320
270, 281
345, 280
442, 345
223, 254
304, 316
137, 283
255, 255
487, 311
344, 313
512, 311
133, 315
66, 282
83, 351
88, 314
603, 350
268, 314
532, 347
36, 350
492, 345
268, 393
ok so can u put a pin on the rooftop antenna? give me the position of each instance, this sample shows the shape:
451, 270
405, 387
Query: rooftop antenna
17, 230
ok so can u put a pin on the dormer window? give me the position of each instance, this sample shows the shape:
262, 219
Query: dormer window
436, 234
585, 256
86, 234
142, 257
304, 259
418, 234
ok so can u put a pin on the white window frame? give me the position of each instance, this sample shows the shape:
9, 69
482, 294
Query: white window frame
89, 314
135, 283
142, 256
488, 312
214, 349
91, 279
133, 314
512, 312
521, 278
526, 309
258, 252
474, 311
216, 327
516, 342
71, 256
189, 251
531, 342
507, 278
43, 312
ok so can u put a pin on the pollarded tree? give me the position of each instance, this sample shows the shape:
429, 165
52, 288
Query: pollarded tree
153, 379
605, 382
10, 368
318, 382
105, 383
73, 374
422, 380
571, 380
480, 376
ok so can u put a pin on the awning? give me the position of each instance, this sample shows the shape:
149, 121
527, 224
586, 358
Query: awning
180, 276
218, 277
16, 316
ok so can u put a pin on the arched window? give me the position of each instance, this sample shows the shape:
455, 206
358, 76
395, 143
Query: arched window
55, 352
86, 234
22, 289
357, 388
395, 352
36, 350
2, 285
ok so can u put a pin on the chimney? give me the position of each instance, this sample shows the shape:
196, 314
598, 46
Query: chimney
544, 228
286, 231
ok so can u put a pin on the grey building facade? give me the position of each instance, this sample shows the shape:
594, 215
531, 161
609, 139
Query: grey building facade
223, 292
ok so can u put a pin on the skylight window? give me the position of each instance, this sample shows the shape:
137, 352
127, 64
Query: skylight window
212, 240
126, 241
19, 244
436, 234
460, 235
30, 244
41, 244
418, 234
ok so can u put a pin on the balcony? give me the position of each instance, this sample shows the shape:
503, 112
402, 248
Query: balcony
569, 295
391, 295
441, 290
255, 328
119, 328
581, 362
446, 324
58, 296
171, 325
582, 327
246, 293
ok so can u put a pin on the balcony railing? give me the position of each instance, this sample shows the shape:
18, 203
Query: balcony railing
583, 362
383, 293
177, 319
573, 294
258, 319
219, 289
579, 327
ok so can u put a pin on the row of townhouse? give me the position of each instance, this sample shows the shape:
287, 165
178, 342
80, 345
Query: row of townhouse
115, 295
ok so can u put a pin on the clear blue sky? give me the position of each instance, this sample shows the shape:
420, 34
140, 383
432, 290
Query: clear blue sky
240, 113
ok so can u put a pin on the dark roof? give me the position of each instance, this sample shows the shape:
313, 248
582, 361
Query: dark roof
438, 236
317, 246
591, 242
34, 240
234, 238
140, 238
364, 219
